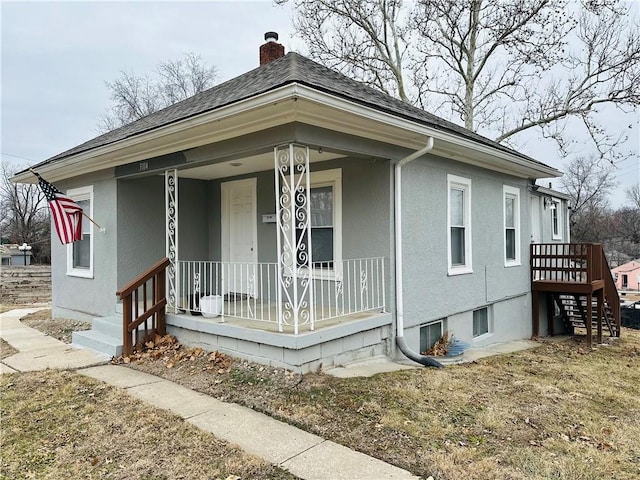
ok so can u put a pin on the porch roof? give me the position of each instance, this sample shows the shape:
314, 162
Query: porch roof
289, 69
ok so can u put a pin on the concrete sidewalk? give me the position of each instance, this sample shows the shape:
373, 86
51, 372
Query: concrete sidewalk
303, 454
39, 351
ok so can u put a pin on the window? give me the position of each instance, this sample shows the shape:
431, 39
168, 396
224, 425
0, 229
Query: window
480, 322
555, 220
459, 225
511, 226
325, 205
429, 335
322, 231
80, 253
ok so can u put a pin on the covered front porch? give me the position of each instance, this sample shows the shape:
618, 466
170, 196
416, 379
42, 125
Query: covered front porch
291, 258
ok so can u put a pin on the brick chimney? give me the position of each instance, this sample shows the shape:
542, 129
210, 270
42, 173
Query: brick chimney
271, 50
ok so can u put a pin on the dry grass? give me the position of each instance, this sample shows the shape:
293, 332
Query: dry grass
59, 328
62, 425
555, 412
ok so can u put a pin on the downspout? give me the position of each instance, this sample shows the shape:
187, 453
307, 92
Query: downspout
400, 340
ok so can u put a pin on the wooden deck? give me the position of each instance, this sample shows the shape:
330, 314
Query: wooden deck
577, 278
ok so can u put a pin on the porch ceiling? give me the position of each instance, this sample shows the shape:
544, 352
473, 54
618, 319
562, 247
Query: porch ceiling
247, 164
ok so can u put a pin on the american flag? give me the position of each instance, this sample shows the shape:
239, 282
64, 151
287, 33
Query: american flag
67, 214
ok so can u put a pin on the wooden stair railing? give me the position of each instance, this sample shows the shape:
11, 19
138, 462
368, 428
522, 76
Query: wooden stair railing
138, 308
611, 295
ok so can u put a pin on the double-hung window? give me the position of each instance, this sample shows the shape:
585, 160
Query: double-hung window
511, 226
459, 224
80, 253
325, 205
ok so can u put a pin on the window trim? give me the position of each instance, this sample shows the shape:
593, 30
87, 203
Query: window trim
79, 194
330, 178
464, 184
508, 191
556, 235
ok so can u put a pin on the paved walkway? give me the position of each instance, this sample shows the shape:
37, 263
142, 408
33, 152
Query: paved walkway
303, 454
37, 350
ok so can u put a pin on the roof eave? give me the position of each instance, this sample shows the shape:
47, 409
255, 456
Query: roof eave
272, 108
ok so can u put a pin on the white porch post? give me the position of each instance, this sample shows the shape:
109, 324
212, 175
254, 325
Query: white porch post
294, 294
171, 217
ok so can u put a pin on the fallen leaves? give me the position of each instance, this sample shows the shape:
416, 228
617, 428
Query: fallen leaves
168, 350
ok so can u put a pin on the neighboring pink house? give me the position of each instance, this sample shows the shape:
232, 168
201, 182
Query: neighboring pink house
627, 276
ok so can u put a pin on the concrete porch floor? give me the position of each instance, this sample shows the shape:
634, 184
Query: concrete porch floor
270, 324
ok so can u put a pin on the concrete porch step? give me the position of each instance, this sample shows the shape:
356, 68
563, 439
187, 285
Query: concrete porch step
98, 341
109, 326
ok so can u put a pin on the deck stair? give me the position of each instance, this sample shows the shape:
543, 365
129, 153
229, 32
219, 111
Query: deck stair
578, 279
573, 311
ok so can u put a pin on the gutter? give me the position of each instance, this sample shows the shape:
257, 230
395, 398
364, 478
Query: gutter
400, 340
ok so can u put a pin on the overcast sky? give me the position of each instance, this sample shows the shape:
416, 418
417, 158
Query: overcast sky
56, 57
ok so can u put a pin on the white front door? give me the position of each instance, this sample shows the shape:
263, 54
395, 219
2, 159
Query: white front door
239, 235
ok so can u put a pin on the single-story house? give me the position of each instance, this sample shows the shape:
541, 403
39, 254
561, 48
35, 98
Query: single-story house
312, 219
627, 275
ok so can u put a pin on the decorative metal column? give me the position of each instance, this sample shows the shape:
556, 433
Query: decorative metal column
295, 273
171, 215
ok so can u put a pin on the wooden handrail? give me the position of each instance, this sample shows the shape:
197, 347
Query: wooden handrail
143, 277
152, 309
611, 294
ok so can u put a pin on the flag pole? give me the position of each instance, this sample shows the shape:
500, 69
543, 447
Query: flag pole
83, 212
93, 221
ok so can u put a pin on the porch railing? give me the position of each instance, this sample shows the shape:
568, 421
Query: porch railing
250, 290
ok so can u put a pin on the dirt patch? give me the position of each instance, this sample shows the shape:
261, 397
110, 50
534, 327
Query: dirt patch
558, 411
63, 425
60, 328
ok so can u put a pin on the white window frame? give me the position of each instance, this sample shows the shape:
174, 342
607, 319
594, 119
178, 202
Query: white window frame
464, 184
330, 178
79, 194
556, 235
514, 193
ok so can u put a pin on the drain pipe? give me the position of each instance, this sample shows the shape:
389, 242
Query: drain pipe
400, 340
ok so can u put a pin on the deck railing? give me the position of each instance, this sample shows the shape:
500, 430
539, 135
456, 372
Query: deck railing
250, 290
567, 262
143, 306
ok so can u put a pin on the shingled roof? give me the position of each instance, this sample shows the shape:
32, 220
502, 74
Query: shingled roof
291, 68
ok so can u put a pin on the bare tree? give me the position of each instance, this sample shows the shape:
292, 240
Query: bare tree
500, 67
135, 96
588, 182
24, 215
633, 195
365, 39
